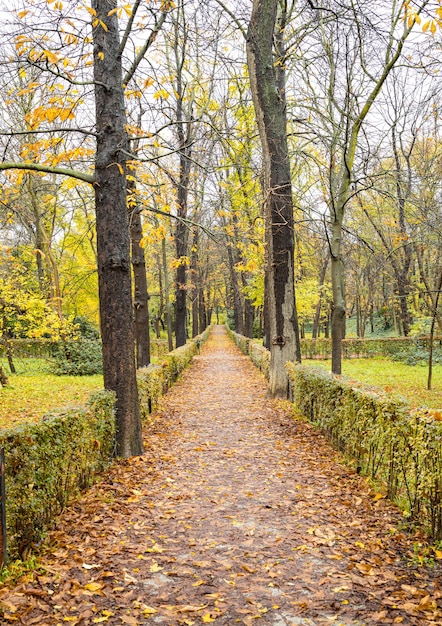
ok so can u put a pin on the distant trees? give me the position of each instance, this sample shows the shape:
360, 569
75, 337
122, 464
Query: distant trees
243, 167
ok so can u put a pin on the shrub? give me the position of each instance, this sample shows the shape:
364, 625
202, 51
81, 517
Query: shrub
78, 358
85, 327
48, 463
389, 442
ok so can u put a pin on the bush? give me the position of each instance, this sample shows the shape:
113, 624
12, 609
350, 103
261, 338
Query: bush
389, 442
77, 358
48, 463
85, 327
417, 356
355, 347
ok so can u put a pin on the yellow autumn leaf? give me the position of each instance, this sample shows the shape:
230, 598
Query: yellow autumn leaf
156, 548
155, 567
207, 618
148, 610
93, 586
161, 93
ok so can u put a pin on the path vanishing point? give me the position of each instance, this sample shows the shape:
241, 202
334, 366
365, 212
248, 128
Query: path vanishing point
237, 513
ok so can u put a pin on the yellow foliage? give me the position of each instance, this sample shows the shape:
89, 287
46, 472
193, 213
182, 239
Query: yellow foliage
183, 260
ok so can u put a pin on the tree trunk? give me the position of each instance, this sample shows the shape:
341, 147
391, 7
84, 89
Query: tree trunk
195, 280
269, 105
249, 316
3, 377
141, 296
167, 296
113, 244
317, 318
238, 316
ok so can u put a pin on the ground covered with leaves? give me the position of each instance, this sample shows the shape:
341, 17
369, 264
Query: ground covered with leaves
238, 513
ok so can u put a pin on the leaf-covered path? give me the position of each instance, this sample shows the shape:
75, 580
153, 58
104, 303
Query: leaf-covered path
236, 514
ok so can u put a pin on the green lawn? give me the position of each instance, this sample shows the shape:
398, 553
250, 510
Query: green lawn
409, 381
33, 391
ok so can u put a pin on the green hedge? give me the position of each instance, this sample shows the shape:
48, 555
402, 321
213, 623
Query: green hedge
399, 448
353, 347
258, 354
48, 463
155, 379
389, 442
45, 348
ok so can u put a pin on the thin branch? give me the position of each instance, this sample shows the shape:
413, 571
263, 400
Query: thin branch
128, 30
208, 232
233, 18
153, 35
37, 167
46, 131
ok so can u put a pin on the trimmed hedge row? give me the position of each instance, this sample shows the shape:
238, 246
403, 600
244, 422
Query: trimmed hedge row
258, 354
400, 448
49, 463
155, 379
389, 442
354, 347
45, 348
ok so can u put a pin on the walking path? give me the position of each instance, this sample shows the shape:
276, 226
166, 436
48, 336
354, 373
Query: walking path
237, 513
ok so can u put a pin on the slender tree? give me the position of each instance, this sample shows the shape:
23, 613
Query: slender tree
270, 108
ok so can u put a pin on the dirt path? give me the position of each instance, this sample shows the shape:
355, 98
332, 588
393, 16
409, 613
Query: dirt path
236, 514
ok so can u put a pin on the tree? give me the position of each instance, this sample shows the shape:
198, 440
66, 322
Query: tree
269, 100
109, 178
359, 52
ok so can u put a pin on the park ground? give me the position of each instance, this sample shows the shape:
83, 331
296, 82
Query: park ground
239, 512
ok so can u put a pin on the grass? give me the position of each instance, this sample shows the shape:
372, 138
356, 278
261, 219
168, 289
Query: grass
408, 381
34, 391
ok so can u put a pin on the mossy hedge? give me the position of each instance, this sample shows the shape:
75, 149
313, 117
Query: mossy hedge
389, 442
398, 448
49, 463
258, 354
46, 348
354, 347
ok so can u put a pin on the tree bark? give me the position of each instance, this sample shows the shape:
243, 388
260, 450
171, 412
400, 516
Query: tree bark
269, 105
317, 318
167, 296
113, 244
141, 295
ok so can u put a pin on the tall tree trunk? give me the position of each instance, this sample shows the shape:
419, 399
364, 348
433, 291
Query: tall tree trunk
184, 131
113, 244
249, 316
141, 295
269, 105
238, 316
167, 296
318, 306
195, 280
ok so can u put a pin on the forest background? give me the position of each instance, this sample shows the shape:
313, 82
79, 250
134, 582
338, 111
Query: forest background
167, 84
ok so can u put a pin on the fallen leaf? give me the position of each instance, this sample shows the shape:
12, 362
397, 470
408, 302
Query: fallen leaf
93, 586
155, 567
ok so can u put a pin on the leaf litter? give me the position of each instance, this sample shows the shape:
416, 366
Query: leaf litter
237, 513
